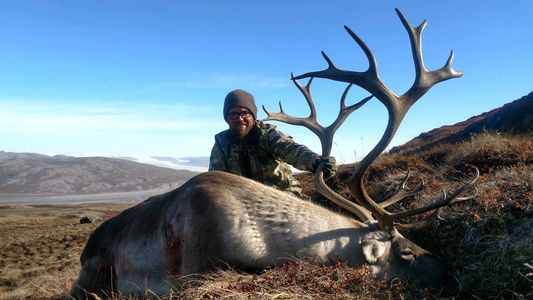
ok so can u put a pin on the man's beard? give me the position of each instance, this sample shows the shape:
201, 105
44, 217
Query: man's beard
240, 131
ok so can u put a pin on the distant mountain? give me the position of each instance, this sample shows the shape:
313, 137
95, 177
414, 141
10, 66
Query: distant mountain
515, 117
37, 174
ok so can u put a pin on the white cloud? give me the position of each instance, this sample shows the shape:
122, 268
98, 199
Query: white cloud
37, 117
108, 128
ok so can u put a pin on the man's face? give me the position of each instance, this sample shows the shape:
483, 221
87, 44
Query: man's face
240, 121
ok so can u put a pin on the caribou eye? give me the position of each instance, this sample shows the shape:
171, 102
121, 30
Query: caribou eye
408, 255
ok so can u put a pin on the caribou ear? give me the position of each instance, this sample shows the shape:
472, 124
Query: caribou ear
372, 250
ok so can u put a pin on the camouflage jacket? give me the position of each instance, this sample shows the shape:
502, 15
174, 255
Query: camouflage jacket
263, 156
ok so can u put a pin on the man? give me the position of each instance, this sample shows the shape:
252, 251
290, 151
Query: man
256, 150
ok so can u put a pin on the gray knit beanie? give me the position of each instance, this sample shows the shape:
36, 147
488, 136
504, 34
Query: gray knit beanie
239, 98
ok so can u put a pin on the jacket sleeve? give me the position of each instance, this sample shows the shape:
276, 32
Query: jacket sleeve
217, 160
286, 149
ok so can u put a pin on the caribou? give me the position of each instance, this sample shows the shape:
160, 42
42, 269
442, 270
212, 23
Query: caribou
218, 219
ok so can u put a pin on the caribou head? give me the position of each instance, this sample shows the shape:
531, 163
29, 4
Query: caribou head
218, 219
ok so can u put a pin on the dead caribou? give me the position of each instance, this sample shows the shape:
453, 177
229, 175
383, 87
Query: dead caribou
218, 219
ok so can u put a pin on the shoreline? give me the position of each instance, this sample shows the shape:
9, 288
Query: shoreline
119, 197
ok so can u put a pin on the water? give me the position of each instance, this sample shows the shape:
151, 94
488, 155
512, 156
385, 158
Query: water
125, 197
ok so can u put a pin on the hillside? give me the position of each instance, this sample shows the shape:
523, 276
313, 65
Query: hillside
515, 118
37, 174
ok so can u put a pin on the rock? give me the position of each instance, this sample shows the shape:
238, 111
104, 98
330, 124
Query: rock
89, 219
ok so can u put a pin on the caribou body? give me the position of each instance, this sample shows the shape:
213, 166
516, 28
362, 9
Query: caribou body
218, 219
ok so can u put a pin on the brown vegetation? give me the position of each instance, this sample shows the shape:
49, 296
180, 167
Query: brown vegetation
40, 247
488, 239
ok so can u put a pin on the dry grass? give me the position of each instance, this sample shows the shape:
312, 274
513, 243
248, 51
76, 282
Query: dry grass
489, 239
294, 280
40, 247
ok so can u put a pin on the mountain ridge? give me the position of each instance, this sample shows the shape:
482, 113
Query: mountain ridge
37, 174
515, 117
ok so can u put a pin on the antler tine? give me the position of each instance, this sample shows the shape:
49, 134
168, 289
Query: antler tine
465, 198
331, 65
344, 96
306, 91
321, 187
402, 193
281, 107
389, 218
309, 122
372, 65
424, 79
345, 111
427, 221
424, 223
368, 80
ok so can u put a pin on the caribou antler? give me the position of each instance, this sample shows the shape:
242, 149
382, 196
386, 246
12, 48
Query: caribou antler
325, 134
397, 107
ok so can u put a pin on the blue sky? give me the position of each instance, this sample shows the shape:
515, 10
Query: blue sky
148, 78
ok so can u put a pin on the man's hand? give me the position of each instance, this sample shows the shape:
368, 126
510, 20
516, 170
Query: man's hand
330, 165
